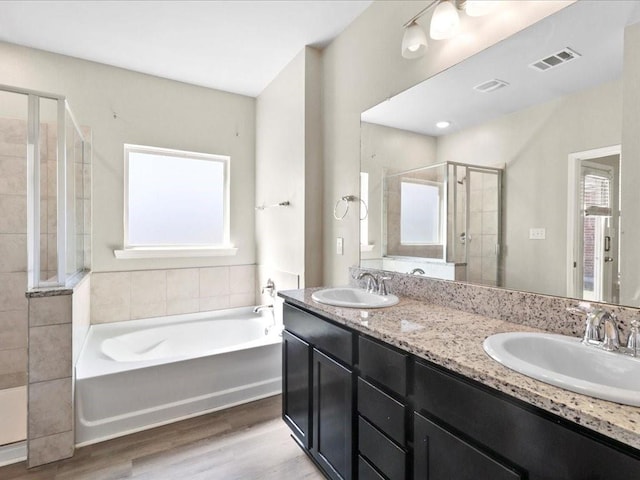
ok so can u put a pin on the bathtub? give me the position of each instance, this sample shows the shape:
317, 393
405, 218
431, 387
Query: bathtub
135, 375
13, 426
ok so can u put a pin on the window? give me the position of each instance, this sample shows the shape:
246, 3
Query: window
419, 213
175, 200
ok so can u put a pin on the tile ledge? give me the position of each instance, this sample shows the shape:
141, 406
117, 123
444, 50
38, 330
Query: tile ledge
135, 253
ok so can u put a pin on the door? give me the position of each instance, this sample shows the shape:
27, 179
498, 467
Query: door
596, 236
296, 386
332, 417
440, 455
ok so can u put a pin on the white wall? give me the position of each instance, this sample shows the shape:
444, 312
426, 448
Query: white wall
289, 168
393, 150
127, 107
630, 171
362, 67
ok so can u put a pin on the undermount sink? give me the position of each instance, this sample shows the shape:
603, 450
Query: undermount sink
566, 362
353, 298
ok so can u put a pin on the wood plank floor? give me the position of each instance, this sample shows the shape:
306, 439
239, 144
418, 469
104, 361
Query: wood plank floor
242, 443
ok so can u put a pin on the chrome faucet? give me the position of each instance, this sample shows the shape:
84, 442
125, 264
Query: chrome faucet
601, 329
260, 308
611, 339
592, 328
383, 288
372, 281
375, 283
416, 271
633, 342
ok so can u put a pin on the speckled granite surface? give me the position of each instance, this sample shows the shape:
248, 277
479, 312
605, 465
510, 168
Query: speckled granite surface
531, 309
453, 339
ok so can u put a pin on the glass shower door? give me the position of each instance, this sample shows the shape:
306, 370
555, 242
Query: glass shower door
483, 232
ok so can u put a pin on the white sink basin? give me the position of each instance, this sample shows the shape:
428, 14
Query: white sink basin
353, 298
565, 362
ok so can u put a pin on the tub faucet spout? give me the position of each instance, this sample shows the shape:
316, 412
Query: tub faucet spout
260, 308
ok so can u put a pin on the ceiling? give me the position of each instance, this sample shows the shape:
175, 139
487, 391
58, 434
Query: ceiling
235, 46
593, 29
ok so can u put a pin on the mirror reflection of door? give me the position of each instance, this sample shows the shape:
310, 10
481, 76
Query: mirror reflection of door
483, 231
596, 265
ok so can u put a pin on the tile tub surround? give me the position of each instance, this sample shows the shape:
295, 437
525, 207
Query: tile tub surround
50, 394
534, 310
130, 295
453, 339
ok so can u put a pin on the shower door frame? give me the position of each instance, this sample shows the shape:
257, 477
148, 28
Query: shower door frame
33, 184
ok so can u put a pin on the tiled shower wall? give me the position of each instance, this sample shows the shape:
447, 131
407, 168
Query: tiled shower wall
120, 296
13, 253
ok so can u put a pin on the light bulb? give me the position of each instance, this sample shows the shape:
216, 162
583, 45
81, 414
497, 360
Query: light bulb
445, 21
414, 42
443, 124
478, 8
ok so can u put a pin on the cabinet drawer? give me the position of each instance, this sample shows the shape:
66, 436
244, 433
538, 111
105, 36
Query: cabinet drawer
383, 411
325, 336
366, 471
383, 453
384, 365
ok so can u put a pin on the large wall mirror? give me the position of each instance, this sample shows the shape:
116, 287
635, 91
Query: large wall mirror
531, 183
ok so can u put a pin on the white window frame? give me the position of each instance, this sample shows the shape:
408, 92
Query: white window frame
226, 248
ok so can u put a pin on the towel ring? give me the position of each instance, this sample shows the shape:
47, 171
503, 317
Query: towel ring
347, 199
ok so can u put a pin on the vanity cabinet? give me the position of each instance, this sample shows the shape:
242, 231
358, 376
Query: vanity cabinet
318, 389
363, 409
464, 430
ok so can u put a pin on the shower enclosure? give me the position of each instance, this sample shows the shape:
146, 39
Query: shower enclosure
444, 220
45, 208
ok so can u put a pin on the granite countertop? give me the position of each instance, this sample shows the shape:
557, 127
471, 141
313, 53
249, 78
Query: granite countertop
453, 339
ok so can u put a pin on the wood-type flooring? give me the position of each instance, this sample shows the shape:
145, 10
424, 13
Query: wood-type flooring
248, 442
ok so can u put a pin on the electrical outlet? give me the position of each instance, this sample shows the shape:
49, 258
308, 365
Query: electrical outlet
340, 246
537, 233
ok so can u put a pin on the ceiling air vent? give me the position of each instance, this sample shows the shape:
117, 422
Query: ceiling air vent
491, 85
559, 58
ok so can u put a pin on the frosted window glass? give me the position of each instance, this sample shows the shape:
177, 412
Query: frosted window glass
419, 213
175, 200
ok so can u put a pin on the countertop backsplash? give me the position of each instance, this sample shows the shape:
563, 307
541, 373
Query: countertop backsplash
539, 311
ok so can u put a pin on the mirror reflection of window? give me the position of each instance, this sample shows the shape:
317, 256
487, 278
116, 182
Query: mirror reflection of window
419, 213
364, 219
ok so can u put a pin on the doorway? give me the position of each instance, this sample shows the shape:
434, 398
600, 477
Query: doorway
594, 225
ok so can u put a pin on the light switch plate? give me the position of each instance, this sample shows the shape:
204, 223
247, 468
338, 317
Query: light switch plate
340, 246
537, 233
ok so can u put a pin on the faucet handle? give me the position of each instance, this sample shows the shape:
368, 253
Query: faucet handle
383, 288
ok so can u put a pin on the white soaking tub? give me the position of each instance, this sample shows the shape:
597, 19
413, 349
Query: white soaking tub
143, 373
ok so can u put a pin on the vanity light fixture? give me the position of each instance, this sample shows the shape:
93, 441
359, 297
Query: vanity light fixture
445, 23
443, 124
478, 8
414, 41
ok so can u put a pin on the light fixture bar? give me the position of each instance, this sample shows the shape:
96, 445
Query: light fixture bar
420, 13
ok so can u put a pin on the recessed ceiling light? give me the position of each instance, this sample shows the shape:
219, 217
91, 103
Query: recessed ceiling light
443, 124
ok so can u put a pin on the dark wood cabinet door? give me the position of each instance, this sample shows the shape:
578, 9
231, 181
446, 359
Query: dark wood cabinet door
440, 455
332, 417
296, 386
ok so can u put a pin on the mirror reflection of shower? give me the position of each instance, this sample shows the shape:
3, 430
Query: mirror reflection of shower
445, 220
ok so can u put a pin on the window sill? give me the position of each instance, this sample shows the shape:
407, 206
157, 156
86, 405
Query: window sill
177, 252
367, 248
